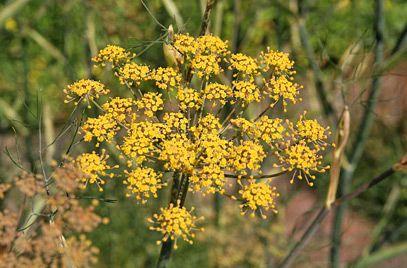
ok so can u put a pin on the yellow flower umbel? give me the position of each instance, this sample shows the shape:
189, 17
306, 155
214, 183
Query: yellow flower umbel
244, 65
189, 98
246, 156
175, 123
166, 78
311, 131
178, 153
258, 196
246, 91
217, 92
119, 108
133, 73
283, 88
143, 183
138, 145
186, 120
85, 88
94, 168
276, 61
150, 103
113, 54
103, 128
301, 159
175, 222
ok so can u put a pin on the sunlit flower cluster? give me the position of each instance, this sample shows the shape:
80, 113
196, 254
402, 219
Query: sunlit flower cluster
143, 183
189, 98
94, 168
216, 91
133, 73
85, 88
166, 78
113, 54
186, 124
150, 103
175, 222
244, 65
303, 160
277, 61
258, 196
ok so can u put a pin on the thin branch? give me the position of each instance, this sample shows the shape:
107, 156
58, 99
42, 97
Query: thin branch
361, 136
265, 176
323, 212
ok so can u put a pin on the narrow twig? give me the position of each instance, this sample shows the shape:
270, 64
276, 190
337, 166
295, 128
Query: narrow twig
361, 136
323, 212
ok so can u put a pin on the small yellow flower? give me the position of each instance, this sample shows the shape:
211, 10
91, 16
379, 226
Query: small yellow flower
213, 159
312, 131
189, 98
85, 88
103, 128
166, 78
246, 156
281, 87
113, 54
245, 65
258, 196
143, 183
269, 129
278, 62
119, 108
139, 142
210, 44
178, 153
216, 91
175, 122
301, 159
151, 103
185, 44
207, 125
133, 73
93, 167
206, 65
175, 222
247, 91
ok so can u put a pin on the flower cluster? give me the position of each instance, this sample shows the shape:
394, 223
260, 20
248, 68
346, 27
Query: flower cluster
258, 196
187, 122
174, 222
143, 182
113, 54
94, 168
85, 88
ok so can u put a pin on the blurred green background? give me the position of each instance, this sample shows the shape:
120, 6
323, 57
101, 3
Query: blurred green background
47, 44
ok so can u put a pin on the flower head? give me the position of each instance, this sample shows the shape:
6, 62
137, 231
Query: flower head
175, 222
113, 54
278, 62
258, 196
85, 88
94, 168
166, 78
143, 183
151, 102
133, 73
303, 160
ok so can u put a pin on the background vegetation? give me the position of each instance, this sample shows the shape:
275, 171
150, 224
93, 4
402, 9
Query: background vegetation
47, 44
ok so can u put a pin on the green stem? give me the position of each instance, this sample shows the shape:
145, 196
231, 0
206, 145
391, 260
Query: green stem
361, 137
